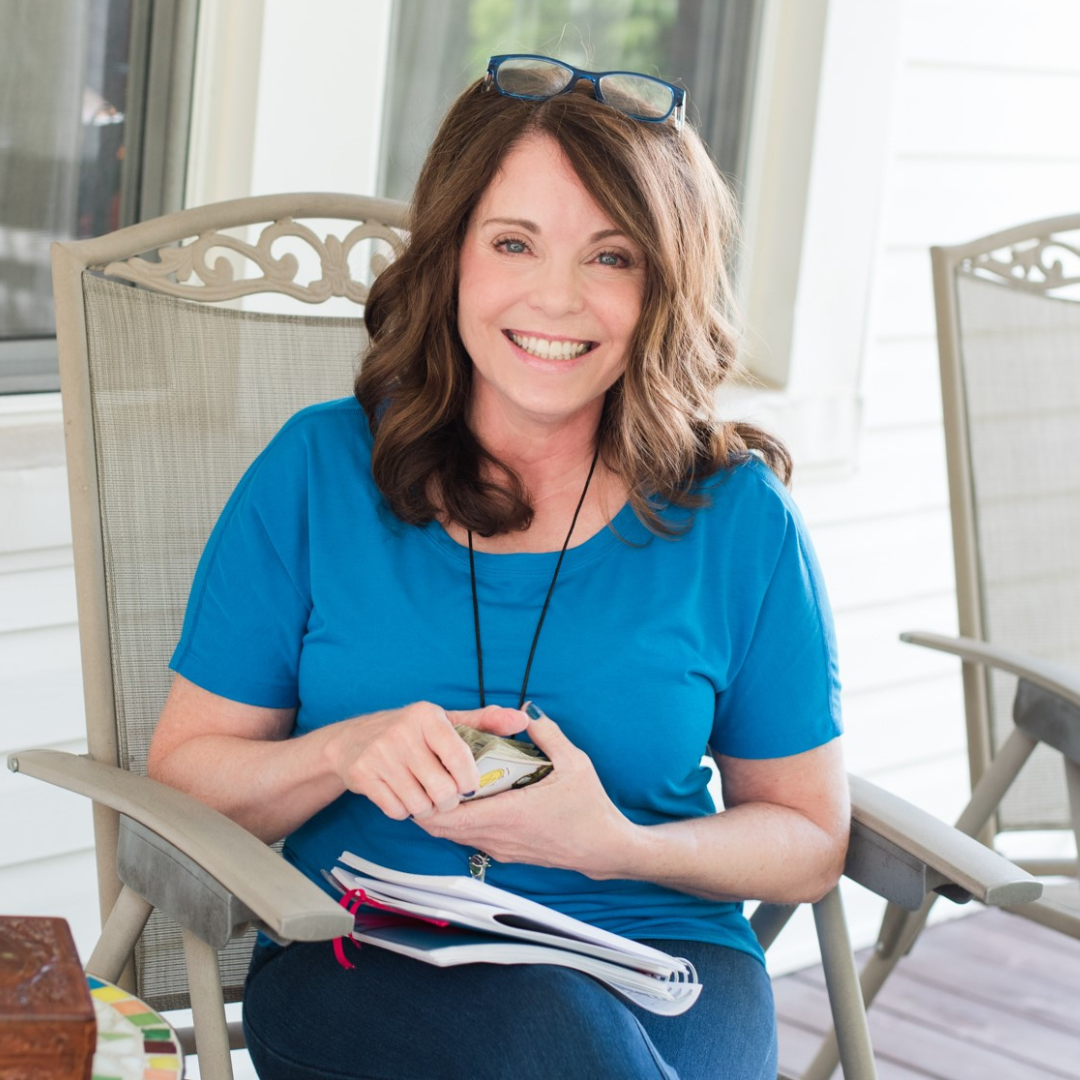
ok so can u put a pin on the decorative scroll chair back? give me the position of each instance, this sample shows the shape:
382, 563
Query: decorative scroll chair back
1008, 309
171, 386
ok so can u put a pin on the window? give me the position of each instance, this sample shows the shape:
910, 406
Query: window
94, 98
439, 46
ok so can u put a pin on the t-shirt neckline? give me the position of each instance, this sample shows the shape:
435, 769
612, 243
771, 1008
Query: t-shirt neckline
620, 529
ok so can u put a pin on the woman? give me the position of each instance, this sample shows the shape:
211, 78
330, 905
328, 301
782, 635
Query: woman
528, 501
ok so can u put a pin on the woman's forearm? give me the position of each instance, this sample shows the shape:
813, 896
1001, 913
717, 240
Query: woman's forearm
271, 787
242, 759
782, 838
754, 851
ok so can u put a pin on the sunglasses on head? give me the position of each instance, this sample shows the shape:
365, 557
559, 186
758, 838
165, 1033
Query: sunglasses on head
537, 78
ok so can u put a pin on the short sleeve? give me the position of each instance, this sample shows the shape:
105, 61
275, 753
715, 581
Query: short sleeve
784, 693
250, 599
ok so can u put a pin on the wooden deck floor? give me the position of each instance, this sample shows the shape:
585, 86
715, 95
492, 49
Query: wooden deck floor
989, 997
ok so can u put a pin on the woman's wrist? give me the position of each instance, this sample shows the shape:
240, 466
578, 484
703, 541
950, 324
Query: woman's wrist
627, 855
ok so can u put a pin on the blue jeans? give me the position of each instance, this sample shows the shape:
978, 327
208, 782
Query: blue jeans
394, 1018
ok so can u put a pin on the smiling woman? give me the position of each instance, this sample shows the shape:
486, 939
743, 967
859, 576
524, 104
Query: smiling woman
529, 510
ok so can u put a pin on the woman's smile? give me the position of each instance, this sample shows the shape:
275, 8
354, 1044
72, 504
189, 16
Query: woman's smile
542, 347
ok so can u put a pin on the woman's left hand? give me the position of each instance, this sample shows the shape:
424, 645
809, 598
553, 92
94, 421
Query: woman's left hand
565, 820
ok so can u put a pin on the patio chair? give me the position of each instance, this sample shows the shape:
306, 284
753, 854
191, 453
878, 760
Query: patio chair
1008, 322
171, 386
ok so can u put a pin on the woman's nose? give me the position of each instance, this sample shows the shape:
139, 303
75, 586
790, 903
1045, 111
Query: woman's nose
556, 289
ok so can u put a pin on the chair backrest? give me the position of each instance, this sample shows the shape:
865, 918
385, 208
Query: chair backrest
171, 386
1008, 310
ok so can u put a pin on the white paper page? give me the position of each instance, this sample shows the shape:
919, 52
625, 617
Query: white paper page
658, 996
479, 892
483, 918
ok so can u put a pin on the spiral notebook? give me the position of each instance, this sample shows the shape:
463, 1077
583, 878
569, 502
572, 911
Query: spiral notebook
449, 920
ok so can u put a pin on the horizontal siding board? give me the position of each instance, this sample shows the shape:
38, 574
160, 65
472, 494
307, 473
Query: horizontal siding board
34, 506
31, 599
897, 472
38, 653
885, 560
52, 821
901, 726
41, 709
38, 557
872, 656
1012, 35
904, 299
61, 886
902, 389
986, 113
933, 200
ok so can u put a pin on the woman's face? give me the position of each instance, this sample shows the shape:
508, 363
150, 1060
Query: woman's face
549, 294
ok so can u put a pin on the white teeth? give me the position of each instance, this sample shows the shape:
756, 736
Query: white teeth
550, 350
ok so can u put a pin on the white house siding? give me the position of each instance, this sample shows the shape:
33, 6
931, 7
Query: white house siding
46, 865
984, 135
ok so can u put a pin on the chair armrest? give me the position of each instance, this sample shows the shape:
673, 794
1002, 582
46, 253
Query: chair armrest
290, 906
1057, 678
903, 853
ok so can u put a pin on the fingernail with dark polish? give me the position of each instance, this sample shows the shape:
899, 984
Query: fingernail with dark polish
468, 794
532, 712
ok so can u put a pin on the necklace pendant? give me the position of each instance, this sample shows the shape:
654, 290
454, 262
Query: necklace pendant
478, 864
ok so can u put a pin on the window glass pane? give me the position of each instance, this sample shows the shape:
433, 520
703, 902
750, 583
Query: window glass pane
440, 46
63, 93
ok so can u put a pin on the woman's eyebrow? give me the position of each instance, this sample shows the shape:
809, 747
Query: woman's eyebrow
531, 226
521, 223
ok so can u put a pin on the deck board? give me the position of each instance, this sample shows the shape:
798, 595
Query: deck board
989, 997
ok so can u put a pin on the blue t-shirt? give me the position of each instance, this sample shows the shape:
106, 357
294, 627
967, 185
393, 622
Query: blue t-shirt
311, 594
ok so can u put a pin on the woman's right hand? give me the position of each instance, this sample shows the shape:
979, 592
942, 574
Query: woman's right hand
410, 761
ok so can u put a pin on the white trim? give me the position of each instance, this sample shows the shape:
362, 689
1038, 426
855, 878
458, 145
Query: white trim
18, 409
224, 101
819, 154
783, 117
287, 97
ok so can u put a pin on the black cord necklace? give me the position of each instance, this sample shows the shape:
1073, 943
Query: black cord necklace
547, 599
478, 861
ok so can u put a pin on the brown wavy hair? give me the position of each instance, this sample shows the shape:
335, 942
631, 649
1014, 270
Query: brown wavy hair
658, 429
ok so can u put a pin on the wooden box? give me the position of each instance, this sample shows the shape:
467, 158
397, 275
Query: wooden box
47, 1025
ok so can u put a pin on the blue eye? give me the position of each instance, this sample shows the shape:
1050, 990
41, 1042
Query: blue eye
512, 246
612, 258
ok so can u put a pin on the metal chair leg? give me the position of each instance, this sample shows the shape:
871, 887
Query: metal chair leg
845, 994
121, 931
208, 1009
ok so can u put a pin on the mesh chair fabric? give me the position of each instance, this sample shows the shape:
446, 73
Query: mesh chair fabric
184, 396
1020, 358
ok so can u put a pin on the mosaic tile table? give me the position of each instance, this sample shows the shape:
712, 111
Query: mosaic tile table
134, 1042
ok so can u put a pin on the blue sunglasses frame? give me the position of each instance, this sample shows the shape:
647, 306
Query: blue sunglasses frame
678, 94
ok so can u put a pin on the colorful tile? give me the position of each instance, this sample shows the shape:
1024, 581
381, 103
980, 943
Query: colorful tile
134, 1042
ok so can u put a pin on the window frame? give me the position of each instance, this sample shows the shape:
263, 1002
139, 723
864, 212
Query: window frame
158, 113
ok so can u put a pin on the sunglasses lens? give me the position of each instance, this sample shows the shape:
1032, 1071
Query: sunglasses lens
638, 96
531, 78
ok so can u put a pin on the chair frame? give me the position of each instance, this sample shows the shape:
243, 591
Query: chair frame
1038, 277
1055, 717
222, 876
